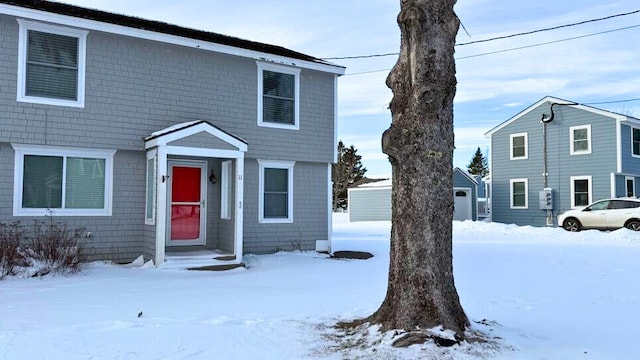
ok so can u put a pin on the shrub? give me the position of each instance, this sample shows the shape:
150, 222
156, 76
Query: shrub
54, 248
10, 258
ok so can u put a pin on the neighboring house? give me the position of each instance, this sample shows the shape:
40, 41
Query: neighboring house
372, 201
589, 153
484, 201
160, 138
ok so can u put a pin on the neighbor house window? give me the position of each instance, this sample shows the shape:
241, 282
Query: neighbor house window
278, 96
635, 141
276, 191
518, 146
226, 190
580, 140
519, 190
150, 208
630, 185
51, 64
62, 181
580, 191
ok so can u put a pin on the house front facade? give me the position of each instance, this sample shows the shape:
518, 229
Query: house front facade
157, 138
557, 155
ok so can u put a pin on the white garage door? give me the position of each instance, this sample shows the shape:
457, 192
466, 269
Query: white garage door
462, 204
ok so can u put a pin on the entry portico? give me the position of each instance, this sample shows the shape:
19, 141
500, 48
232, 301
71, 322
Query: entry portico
195, 188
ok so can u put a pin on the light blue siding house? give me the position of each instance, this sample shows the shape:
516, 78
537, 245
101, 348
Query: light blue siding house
160, 139
578, 153
372, 201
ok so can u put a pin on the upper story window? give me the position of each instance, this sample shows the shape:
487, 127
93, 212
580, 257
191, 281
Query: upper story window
62, 181
518, 146
580, 140
278, 96
51, 64
635, 142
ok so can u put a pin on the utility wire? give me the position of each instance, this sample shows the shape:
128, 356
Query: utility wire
495, 38
518, 48
612, 102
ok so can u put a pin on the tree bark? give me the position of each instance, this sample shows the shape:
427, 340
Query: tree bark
421, 293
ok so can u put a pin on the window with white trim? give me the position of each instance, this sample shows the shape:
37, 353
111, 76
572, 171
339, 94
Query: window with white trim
580, 191
518, 146
150, 202
62, 181
226, 190
635, 142
51, 64
519, 190
276, 191
580, 140
278, 96
630, 186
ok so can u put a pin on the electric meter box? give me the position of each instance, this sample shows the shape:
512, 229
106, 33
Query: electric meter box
546, 199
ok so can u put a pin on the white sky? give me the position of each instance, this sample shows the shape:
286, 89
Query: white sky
491, 88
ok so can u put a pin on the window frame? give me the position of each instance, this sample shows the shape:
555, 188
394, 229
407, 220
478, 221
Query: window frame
273, 164
572, 180
526, 193
296, 108
24, 27
226, 185
633, 186
572, 150
526, 146
22, 150
150, 191
633, 154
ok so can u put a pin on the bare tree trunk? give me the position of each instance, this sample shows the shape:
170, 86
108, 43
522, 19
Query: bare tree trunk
421, 291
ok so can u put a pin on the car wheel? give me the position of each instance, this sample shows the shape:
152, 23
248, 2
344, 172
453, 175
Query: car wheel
633, 225
572, 225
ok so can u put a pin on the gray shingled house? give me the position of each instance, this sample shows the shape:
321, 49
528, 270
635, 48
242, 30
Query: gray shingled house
579, 153
159, 138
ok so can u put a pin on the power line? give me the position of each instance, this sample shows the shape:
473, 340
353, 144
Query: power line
494, 38
519, 47
612, 102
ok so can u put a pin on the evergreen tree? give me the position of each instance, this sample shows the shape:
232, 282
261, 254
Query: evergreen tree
478, 164
347, 171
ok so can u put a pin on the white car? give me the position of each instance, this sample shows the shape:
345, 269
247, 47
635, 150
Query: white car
603, 214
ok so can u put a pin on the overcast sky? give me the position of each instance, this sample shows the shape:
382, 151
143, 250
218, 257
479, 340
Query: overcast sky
589, 68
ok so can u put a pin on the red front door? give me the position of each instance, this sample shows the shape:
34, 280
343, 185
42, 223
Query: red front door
187, 206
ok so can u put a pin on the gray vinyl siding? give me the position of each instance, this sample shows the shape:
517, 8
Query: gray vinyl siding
561, 166
372, 204
203, 140
134, 87
310, 211
630, 163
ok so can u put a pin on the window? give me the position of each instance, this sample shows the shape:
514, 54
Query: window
580, 140
278, 96
630, 185
226, 190
518, 146
635, 141
62, 181
519, 191
51, 64
150, 208
580, 191
276, 191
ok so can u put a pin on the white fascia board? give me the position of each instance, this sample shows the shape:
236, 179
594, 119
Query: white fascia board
165, 38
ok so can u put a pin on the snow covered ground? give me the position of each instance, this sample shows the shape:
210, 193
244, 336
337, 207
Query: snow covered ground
549, 294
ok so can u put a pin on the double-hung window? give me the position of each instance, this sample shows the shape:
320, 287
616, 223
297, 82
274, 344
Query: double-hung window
635, 142
278, 96
580, 140
51, 64
62, 181
519, 198
518, 146
276, 191
580, 191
